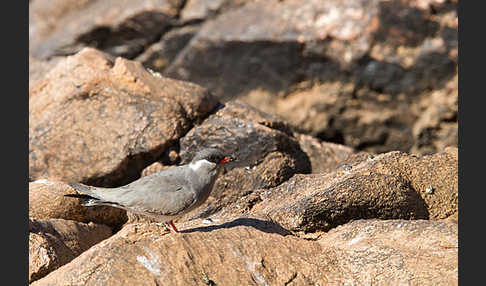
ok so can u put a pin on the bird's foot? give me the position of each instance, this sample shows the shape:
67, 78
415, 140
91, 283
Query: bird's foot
171, 226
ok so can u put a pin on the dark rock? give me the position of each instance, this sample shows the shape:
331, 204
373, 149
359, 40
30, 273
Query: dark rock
121, 28
159, 55
388, 186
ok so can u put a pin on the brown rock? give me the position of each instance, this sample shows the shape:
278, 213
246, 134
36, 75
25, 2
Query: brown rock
357, 73
393, 252
121, 28
202, 9
47, 201
324, 156
389, 186
159, 55
434, 177
270, 53
437, 127
254, 252
155, 168
99, 121
55, 242
39, 68
308, 203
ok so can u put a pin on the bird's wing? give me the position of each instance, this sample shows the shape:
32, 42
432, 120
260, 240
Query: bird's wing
165, 193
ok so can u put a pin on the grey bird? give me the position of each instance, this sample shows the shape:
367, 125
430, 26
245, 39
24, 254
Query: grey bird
165, 195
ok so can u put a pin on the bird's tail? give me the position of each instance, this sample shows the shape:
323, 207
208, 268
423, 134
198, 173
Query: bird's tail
87, 195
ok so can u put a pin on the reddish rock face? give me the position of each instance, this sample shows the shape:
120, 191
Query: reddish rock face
389, 186
249, 251
47, 201
55, 242
99, 120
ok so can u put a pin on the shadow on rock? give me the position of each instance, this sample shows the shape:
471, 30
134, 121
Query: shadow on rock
262, 225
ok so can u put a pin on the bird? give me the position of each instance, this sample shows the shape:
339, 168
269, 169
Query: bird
164, 195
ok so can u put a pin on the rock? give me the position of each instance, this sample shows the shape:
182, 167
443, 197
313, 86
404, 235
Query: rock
155, 168
393, 252
65, 27
201, 9
324, 156
389, 186
274, 49
55, 242
255, 252
437, 172
159, 55
318, 203
101, 121
47, 201
348, 72
437, 127
38, 68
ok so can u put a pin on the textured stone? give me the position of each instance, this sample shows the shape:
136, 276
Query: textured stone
47, 201
249, 251
357, 73
55, 242
389, 186
101, 121
324, 156
121, 28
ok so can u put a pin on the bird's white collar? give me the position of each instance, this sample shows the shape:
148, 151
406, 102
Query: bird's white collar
200, 163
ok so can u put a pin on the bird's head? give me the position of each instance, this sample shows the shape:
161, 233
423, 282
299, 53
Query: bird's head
213, 155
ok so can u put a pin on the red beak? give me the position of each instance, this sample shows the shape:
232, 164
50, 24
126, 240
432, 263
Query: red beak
224, 160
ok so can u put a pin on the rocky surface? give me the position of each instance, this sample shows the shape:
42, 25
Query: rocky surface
342, 114
47, 201
374, 75
389, 186
324, 156
65, 27
101, 120
55, 242
252, 252
346, 76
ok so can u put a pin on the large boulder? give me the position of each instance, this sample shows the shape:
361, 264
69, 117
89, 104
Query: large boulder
255, 252
324, 156
47, 201
55, 242
121, 28
100, 120
394, 185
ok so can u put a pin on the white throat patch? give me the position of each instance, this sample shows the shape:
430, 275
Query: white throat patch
200, 163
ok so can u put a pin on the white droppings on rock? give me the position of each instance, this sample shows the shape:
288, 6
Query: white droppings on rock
152, 264
355, 240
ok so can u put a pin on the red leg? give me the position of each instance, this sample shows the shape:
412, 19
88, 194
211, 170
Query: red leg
172, 227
